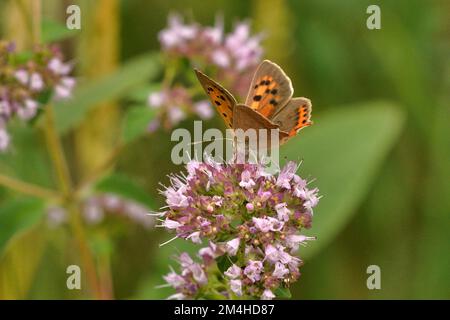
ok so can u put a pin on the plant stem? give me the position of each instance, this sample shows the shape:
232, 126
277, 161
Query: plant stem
65, 185
57, 153
36, 20
28, 188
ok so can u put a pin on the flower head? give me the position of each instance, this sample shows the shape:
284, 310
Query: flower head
232, 58
24, 85
259, 214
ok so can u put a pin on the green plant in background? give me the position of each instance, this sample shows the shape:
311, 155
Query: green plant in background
379, 149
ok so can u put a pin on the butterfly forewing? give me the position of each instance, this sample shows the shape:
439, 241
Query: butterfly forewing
270, 90
294, 116
220, 98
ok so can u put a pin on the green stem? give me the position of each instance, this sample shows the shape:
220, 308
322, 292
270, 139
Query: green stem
36, 20
57, 153
60, 164
27, 188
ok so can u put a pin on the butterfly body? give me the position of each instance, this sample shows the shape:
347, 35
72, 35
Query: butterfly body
269, 103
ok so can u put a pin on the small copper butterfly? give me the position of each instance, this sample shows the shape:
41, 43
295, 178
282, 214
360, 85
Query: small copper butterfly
269, 103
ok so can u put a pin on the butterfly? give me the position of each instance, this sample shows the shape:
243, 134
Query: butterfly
269, 103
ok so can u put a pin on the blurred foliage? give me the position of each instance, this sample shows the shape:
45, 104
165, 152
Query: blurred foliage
379, 149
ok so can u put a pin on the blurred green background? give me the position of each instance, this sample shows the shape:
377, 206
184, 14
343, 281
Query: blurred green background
379, 148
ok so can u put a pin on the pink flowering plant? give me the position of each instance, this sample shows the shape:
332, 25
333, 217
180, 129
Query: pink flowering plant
251, 222
28, 81
231, 58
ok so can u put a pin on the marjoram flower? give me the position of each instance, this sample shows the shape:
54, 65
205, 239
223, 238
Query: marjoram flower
249, 217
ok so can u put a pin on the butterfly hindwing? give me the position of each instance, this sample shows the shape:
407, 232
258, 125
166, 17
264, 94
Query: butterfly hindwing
246, 118
294, 116
220, 98
270, 90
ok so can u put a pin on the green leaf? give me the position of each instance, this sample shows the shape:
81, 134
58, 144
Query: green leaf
343, 150
53, 31
19, 263
140, 95
18, 214
223, 263
283, 293
70, 113
23, 57
136, 122
164, 259
27, 158
125, 187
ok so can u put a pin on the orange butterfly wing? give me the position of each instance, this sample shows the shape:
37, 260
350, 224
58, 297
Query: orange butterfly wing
271, 89
294, 116
219, 96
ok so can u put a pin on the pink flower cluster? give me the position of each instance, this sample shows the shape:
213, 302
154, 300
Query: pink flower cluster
24, 84
96, 207
176, 103
232, 53
192, 278
229, 58
249, 215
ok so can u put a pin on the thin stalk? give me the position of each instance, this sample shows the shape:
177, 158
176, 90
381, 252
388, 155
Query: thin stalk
104, 266
60, 164
28, 188
36, 9
57, 153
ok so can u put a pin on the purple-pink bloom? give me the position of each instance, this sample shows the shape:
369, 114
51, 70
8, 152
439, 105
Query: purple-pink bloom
236, 287
221, 207
267, 295
286, 175
253, 270
246, 180
232, 246
174, 279
280, 270
282, 211
233, 272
